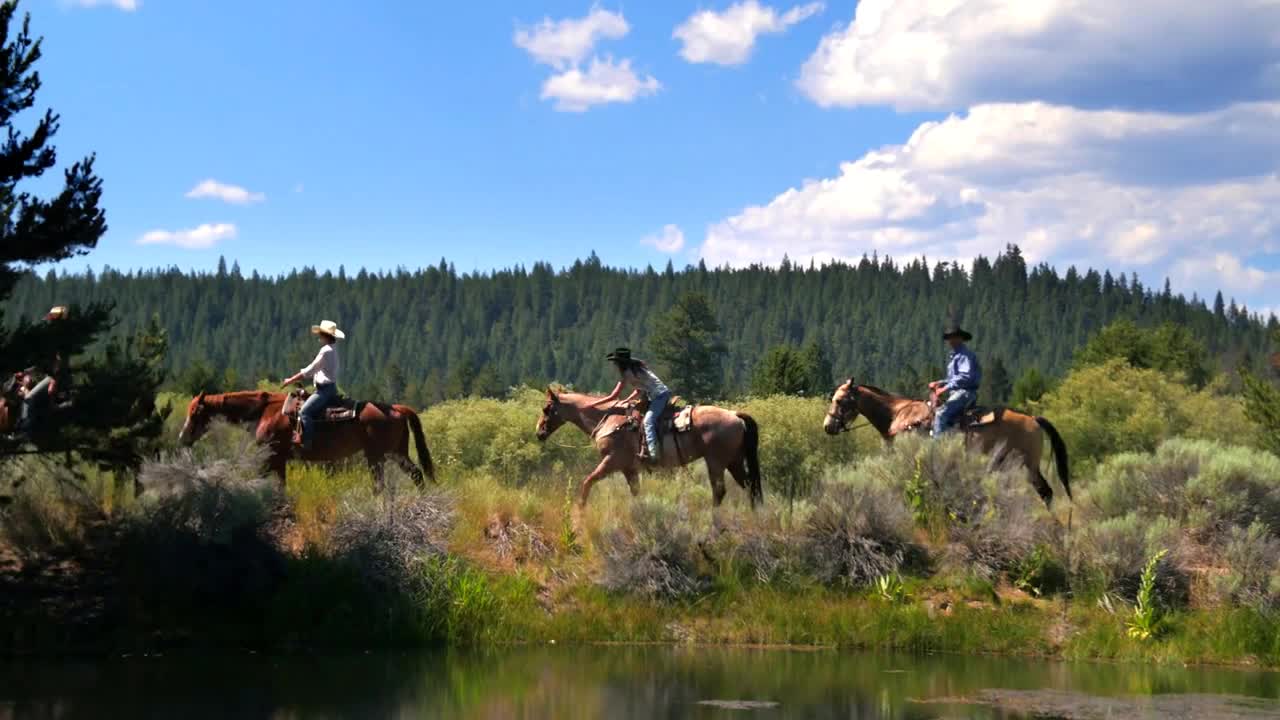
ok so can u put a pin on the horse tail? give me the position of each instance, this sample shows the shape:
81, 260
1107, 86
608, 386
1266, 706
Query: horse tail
1059, 453
751, 451
419, 440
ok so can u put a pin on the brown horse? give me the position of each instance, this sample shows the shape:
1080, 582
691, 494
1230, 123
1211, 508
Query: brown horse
1004, 431
725, 439
379, 431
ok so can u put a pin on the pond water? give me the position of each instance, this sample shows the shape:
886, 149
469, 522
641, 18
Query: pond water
625, 682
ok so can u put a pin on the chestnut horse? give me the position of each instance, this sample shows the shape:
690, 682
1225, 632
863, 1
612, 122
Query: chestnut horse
725, 439
379, 431
1005, 430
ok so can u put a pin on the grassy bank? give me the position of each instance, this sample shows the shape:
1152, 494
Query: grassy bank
921, 547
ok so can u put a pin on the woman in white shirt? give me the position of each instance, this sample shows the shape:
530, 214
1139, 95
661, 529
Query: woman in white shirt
324, 369
636, 374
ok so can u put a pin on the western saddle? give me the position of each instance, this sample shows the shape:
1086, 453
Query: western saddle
343, 411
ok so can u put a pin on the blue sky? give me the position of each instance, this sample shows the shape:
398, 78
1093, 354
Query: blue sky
394, 133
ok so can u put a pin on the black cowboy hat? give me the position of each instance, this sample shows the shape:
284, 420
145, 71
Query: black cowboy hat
619, 355
955, 331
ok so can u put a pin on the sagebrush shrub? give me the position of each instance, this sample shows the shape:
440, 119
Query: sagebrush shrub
858, 531
200, 528
387, 537
654, 552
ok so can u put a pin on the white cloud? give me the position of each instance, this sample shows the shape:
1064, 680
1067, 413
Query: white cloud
565, 43
125, 5
670, 240
727, 38
1225, 271
233, 194
604, 81
197, 238
1133, 190
1135, 54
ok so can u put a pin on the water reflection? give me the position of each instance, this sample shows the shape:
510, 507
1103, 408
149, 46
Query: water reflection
591, 682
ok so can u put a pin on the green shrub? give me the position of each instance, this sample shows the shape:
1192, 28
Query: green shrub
47, 510
1110, 555
1114, 408
794, 449
497, 437
1208, 487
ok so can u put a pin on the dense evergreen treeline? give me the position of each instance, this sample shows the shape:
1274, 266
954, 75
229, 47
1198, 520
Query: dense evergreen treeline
436, 333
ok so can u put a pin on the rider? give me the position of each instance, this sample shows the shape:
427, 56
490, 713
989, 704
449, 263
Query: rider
325, 371
37, 398
964, 375
638, 375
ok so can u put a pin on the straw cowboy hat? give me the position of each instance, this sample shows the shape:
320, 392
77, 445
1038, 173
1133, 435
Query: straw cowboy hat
56, 313
328, 327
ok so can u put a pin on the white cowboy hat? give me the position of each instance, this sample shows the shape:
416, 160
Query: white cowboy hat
328, 327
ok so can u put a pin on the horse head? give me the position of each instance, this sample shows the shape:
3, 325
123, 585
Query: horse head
197, 423
843, 410
552, 417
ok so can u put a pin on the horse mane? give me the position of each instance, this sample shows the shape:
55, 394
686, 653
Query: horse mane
887, 412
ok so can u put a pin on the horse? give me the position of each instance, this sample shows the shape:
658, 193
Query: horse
379, 430
1003, 430
724, 439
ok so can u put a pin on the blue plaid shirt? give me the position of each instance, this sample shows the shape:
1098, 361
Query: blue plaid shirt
963, 371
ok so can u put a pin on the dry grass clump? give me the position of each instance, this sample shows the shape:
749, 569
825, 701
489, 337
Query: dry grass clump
514, 540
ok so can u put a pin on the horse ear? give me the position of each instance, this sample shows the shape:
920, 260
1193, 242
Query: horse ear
200, 398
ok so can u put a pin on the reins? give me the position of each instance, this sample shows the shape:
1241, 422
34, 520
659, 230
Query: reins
592, 434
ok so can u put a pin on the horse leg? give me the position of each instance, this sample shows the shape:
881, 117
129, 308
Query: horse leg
411, 470
1040, 484
375, 467
605, 467
715, 473
633, 481
278, 463
738, 469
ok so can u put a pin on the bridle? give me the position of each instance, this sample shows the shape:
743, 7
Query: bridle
843, 405
600, 423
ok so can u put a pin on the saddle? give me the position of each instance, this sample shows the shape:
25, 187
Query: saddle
975, 417
676, 419
344, 410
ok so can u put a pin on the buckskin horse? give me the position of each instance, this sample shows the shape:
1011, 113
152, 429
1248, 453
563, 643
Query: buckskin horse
378, 430
725, 439
999, 430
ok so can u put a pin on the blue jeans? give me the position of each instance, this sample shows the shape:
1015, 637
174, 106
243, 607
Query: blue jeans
656, 405
33, 403
313, 409
957, 402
